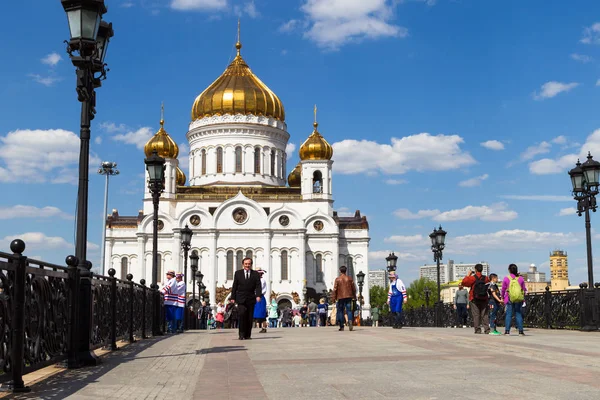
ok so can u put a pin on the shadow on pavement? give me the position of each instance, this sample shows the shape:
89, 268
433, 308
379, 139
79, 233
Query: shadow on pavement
222, 349
66, 383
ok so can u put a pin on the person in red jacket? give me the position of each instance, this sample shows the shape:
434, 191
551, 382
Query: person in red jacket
478, 298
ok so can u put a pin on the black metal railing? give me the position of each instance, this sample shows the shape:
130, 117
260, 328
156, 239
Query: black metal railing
39, 318
568, 309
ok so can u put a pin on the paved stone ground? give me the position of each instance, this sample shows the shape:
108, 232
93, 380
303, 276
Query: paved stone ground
369, 363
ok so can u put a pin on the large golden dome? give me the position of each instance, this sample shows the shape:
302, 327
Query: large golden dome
316, 147
295, 177
180, 177
238, 91
162, 142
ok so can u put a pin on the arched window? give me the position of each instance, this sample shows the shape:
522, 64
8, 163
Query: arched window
317, 182
123, 267
219, 160
249, 254
203, 162
239, 256
284, 266
319, 268
350, 266
272, 162
257, 160
230, 265
238, 159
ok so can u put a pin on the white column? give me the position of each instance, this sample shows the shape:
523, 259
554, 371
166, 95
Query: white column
108, 257
141, 250
176, 251
214, 270
267, 265
335, 264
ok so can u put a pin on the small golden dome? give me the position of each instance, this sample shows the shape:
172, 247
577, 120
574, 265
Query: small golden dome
180, 177
295, 177
238, 91
162, 142
316, 147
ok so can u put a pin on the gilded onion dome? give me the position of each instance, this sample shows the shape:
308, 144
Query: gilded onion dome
316, 147
295, 177
238, 91
162, 142
180, 177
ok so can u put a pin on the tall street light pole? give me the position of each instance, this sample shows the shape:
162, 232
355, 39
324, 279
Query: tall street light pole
194, 267
438, 237
107, 168
89, 38
186, 243
155, 166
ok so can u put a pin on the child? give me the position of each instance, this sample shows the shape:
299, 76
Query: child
495, 302
297, 320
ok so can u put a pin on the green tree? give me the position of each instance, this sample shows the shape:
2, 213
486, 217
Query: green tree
416, 292
378, 296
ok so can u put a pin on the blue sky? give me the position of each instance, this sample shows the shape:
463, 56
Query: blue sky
465, 113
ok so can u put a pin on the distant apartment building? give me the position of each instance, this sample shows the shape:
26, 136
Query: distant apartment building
535, 281
450, 272
378, 278
559, 270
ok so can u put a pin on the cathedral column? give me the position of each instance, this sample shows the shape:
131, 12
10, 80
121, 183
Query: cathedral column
213, 273
176, 251
108, 256
141, 250
267, 265
302, 260
335, 264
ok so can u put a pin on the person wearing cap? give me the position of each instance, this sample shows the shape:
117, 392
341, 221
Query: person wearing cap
260, 310
396, 297
169, 291
180, 285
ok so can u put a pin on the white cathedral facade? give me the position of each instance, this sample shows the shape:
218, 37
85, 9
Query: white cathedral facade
239, 203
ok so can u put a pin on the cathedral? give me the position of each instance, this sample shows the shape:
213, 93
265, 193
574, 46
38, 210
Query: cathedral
238, 202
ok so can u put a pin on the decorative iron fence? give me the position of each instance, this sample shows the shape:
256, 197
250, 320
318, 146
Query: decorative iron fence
40, 324
569, 309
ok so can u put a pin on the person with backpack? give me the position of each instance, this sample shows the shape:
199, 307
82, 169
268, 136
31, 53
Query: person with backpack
513, 293
478, 298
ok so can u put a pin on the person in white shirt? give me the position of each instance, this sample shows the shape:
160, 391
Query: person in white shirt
396, 298
297, 320
260, 310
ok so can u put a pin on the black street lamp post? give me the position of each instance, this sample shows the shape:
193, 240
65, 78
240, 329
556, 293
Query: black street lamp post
186, 244
194, 267
438, 237
585, 180
155, 166
360, 279
427, 293
392, 261
89, 37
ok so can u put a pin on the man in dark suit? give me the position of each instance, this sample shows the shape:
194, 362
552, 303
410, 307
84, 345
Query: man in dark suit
246, 292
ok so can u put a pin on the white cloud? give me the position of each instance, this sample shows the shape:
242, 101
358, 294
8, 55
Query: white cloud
379, 256
532, 151
541, 197
598, 82
560, 140
290, 148
35, 156
248, 9
290, 26
111, 127
98, 140
476, 181
137, 138
51, 59
198, 5
403, 155
396, 181
21, 211
582, 58
553, 88
127, 4
45, 80
39, 241
567, 211
407, 240
184, 156
516, 239
344, 212
333, 23
591, 34
404, 213
495, 212
493, 145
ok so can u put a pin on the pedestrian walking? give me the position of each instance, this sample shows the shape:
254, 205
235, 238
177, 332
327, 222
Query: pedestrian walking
495, 303
322, 309
513, 293
273, 313
220, 316
396, 298
246, 292
375, 316
344, 291
478, 297
461, 305
169, 291
260, 310
312, 313
181, 288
